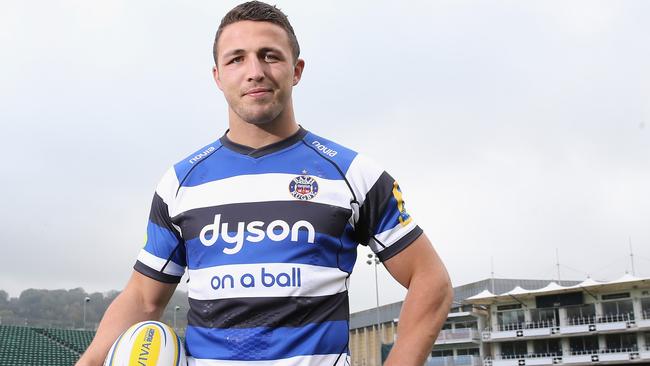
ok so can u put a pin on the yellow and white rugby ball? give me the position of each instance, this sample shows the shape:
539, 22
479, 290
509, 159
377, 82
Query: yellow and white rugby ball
147, 343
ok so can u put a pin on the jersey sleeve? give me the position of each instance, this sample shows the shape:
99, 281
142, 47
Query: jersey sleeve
381, 221
163, 255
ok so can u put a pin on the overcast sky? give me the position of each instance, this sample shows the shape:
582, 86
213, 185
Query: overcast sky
513, 127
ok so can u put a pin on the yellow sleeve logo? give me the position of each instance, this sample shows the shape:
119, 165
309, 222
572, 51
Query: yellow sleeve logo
404, 218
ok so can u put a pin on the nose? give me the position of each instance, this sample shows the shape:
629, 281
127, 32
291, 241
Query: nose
255, 69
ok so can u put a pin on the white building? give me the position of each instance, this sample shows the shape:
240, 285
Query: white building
459, 342
587, 323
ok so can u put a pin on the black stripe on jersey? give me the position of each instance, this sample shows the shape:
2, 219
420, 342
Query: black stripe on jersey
159, 215
326, 219
250, 312
156, 275
399, 245
373, 207
264, 150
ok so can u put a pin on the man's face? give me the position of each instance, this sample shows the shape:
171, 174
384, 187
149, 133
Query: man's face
256, 70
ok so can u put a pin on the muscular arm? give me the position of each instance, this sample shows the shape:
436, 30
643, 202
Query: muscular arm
142, 299
429, 296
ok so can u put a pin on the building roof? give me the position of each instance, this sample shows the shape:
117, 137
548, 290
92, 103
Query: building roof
626, 281
486, 288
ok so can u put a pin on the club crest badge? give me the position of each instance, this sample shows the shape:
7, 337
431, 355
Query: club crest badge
303, 187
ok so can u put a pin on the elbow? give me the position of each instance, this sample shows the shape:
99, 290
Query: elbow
446, 292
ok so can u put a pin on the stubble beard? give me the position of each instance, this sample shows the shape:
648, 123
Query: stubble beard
258, 116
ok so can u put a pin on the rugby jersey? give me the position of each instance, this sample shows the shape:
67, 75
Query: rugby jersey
269, 238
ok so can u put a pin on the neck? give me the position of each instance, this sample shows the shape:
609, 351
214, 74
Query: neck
256, 136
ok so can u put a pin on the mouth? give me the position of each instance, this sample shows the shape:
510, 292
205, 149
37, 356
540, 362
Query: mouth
257, 92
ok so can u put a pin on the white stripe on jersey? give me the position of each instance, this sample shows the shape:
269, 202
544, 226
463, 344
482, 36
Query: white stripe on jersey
391, 236
167, 187
315, 360
157, 263
300, 280
362, 175
257, 188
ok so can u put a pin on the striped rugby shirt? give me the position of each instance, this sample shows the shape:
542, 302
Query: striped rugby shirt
269, 238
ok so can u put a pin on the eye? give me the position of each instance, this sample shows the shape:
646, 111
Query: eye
270, 57
235, 60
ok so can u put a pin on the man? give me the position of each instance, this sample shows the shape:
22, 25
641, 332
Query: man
267, 221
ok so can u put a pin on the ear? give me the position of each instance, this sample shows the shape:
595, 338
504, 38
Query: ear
297, 71
215, 75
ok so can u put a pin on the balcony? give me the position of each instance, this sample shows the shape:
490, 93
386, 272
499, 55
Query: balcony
518, 330
524, 360
589, 324
461, 335
602, 355
585, 357
455, 361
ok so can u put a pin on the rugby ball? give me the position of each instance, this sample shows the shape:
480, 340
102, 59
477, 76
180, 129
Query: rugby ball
147, 343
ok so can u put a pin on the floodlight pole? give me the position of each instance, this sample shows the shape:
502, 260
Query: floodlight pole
86, 300
373, 259
176, 308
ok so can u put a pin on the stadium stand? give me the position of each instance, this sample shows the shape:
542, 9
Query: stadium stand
26, 346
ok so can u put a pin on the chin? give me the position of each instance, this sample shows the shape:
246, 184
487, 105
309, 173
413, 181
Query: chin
259, 118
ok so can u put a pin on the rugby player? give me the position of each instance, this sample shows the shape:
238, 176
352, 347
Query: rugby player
267, 220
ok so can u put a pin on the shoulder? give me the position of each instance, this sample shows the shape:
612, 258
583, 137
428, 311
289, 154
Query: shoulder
359, 170
338, 154
176, 174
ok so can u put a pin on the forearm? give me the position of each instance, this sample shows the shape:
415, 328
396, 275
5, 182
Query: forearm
423, 313
133, 305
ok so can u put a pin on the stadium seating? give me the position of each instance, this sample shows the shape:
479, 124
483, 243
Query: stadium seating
27, 346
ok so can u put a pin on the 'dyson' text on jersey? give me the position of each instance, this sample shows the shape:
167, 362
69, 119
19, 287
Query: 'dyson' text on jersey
276, 230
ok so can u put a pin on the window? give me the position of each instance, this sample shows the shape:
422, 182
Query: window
647, 341
468, 324
621, 341
543, 318
582, 314
511, 319
446, 326
468, 352
622, 295
547, 347
513, 349
620, 310
508, 307
443, 353
583, 345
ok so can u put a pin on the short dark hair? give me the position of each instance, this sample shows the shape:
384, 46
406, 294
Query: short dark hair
259, 12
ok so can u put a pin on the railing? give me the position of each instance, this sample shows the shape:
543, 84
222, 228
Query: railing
529, 355
606, 350
612, 318
526, 325
608, 318
581, 320
454, 361
458, 334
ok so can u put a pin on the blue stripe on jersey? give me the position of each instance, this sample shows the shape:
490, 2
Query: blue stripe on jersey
340, 155
183, 167
323, 252
390, 218
161, 242
226, 163
263, 343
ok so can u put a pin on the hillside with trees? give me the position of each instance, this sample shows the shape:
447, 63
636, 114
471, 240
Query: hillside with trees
65, 308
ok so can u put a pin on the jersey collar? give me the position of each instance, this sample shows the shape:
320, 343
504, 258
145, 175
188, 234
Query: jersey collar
264, 150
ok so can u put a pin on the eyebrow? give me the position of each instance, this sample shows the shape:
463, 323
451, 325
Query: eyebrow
239, 51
